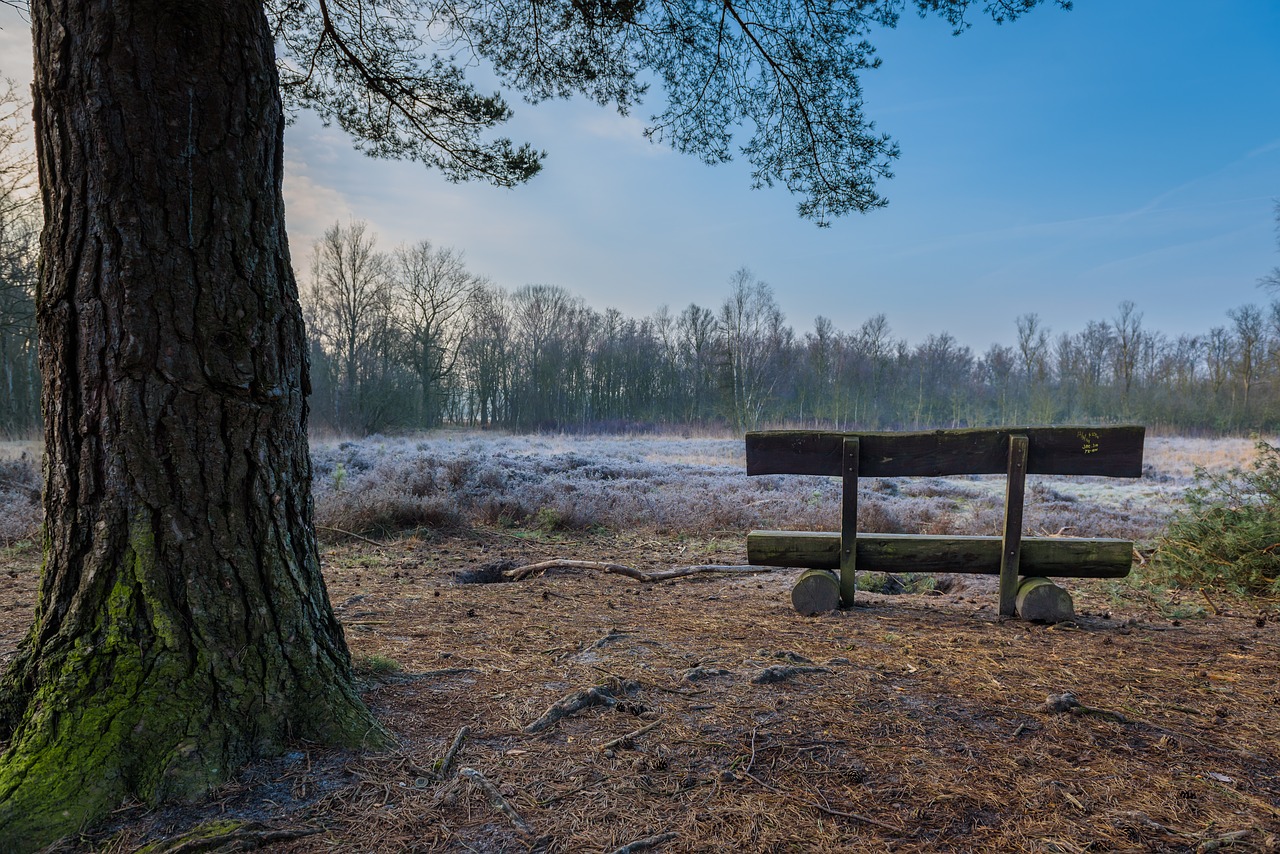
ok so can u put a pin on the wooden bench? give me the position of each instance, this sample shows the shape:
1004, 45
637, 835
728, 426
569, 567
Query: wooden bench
1014, 451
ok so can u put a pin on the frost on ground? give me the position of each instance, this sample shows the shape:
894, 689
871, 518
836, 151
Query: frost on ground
379, 485
19, 498
700, 485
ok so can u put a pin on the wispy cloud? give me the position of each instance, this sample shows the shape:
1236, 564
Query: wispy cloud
310, 208
1273, 145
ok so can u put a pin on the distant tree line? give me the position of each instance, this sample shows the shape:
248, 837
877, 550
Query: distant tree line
19, 228
411, 339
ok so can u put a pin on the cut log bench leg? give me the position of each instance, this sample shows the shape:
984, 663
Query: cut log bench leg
816, 592
1041, 600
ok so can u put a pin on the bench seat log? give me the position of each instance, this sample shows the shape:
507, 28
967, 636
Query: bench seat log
1052, 557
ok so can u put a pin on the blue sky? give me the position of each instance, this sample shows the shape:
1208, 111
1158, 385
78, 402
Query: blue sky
1129, 149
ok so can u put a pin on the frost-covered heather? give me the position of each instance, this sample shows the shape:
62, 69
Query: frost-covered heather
699, 485
11, 449
655, 484
19, 498
674, 485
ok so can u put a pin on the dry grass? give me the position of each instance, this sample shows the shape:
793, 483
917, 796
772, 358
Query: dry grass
924, 728
1179, 456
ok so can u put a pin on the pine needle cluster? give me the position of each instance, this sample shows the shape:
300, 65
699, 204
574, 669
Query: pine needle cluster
1228, 534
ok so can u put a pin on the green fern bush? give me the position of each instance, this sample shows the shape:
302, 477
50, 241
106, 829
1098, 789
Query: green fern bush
1228, 535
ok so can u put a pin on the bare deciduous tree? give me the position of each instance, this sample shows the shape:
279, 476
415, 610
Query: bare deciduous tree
432, 289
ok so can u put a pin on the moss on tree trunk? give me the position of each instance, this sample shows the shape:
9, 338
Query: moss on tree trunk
183, 625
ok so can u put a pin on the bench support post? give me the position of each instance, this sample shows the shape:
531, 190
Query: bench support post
849, 524
1011, 545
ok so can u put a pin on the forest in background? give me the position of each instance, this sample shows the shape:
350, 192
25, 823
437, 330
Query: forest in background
411, 339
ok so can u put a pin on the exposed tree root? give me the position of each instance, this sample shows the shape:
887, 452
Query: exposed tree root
577, 701
783, 672
227, 836
522, 572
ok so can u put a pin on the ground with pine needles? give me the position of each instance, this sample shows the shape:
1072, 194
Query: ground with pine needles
581, 710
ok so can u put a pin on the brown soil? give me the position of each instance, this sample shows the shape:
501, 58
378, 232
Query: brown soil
909, 723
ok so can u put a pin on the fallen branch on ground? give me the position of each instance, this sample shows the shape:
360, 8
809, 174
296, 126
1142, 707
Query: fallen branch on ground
1067, 703
629, 737
645, 844
353, 536
522, 572
496, 800
452, 752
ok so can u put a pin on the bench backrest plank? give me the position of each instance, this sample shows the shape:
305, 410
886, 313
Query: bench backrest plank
1107, 451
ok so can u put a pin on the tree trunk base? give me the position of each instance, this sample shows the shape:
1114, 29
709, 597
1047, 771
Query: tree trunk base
100, 731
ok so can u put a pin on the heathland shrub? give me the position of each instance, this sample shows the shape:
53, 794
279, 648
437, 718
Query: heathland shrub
1228, 535
666, 485
20, 512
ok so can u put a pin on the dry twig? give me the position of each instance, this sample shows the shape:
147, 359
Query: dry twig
865, 819
629, 737
362, 539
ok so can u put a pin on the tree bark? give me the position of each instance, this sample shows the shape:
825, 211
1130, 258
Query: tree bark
183, 625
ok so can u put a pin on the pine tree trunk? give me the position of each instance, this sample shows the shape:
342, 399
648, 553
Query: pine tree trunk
183, 625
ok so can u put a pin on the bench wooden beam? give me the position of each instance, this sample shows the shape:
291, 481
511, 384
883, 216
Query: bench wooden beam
849, 523
1011, 540
1053, 557
1108, 451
